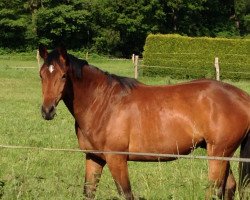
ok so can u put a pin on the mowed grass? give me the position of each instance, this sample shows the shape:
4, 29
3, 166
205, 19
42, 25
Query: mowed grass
33, 174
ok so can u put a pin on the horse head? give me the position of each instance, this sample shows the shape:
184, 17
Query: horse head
53, 75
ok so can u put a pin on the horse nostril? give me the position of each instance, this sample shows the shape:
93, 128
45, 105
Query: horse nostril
48, 112
52, 108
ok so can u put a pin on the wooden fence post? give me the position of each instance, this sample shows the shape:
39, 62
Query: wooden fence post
38, 59
133, 59
136, 60
217, 68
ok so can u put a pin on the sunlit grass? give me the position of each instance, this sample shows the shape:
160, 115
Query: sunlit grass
33, 174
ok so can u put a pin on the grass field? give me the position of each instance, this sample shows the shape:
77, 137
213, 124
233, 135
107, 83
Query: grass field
33, 174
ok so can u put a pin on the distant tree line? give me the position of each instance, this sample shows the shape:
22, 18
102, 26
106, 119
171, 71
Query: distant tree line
117, 27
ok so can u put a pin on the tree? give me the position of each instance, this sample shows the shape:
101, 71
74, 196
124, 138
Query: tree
67, 23
242, 15
13, 24
128, 22
117, 27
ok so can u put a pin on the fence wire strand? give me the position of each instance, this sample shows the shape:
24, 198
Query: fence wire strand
141, 67
158, 155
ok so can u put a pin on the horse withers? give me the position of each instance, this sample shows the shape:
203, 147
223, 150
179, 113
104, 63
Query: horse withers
114, 113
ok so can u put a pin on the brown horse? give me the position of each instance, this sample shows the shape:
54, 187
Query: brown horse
114, 113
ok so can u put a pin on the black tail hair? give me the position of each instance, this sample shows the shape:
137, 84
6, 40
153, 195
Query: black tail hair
244, 168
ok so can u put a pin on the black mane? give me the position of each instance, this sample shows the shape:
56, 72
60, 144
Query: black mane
125, 82
77, 65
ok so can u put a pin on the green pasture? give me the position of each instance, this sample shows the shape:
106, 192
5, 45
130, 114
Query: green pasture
33, 174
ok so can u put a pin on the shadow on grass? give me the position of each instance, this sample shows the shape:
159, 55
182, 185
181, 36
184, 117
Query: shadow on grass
1, 188
115, 198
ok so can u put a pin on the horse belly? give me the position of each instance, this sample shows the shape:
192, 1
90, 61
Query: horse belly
174, 137
162, 147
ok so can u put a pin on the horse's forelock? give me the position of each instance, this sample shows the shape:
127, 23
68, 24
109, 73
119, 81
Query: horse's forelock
74, 63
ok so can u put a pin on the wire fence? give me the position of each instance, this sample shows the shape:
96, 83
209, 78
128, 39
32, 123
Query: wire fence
23, 67
204, 63
141, 67
157, 155
183, 53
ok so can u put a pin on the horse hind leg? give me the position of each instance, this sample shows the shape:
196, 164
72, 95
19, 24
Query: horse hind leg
244, 169
218, 174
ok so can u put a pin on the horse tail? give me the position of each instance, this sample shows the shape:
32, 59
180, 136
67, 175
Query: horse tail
244, 168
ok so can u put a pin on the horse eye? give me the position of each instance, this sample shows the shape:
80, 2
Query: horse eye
64, 76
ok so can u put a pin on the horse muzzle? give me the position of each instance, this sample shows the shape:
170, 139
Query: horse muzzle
48, 112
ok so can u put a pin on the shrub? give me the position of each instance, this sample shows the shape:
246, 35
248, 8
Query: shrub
185, 57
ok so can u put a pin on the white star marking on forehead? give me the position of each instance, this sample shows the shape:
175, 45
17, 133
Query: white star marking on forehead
51, 68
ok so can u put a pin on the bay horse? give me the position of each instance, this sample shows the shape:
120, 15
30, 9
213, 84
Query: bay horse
114, 113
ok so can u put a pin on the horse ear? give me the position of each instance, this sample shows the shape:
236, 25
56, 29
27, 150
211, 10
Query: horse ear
43, 51
63, 53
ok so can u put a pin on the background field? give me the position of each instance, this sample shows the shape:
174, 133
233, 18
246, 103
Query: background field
30, 174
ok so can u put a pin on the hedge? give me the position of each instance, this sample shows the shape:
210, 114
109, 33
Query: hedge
185, 57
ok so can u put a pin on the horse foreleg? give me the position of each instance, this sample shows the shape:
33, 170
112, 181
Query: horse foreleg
94, 166
118, 167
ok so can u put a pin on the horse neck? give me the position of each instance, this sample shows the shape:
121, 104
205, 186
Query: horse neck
92, 87
68, 97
